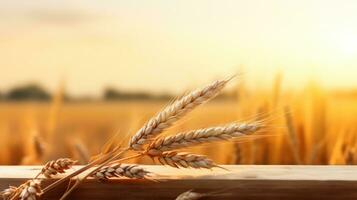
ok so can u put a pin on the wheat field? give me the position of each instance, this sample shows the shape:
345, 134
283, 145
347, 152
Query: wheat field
310, 126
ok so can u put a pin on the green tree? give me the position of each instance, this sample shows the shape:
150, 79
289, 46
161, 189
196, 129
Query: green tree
113, 94
28, 92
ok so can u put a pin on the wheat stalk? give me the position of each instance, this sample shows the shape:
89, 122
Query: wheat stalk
293, 139
81, 151
119, 170
185, 160
35, 151
194, 137
54, 167
174, 112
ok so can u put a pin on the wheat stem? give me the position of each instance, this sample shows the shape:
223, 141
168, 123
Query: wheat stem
293, 140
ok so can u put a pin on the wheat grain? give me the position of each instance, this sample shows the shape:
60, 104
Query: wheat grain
174, 112
119, 170
53, 167
31, 190
194, 137
185, 160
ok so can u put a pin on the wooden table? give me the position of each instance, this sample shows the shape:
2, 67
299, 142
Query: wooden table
243, 181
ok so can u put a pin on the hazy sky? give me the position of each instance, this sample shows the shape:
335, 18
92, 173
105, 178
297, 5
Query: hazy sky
165, 45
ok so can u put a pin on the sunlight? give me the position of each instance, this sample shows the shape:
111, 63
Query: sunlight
347, 42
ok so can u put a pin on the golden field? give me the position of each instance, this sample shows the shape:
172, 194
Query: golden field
310, 126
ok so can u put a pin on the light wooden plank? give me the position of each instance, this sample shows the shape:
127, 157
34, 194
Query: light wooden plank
245, 181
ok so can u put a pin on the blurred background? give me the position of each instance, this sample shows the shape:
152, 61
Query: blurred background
75, 72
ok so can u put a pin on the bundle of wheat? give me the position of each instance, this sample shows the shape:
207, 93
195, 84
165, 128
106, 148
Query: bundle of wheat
145, 142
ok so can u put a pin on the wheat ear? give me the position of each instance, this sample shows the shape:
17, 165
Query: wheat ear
174, 112
194, 137
8, 192
31, 190
185, 160
119, 170
54, 167
189, 195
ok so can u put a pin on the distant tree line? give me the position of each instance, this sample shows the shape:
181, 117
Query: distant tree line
114, 94
35, 92
27, 92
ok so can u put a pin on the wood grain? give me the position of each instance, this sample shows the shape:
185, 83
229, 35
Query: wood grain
247, 182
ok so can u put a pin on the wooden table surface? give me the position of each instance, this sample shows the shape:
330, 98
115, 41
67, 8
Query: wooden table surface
244, 182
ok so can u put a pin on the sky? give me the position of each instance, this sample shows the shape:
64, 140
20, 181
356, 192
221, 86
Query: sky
165, 45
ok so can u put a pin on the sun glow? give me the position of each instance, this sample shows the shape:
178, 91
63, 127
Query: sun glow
346, 42
121, 43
